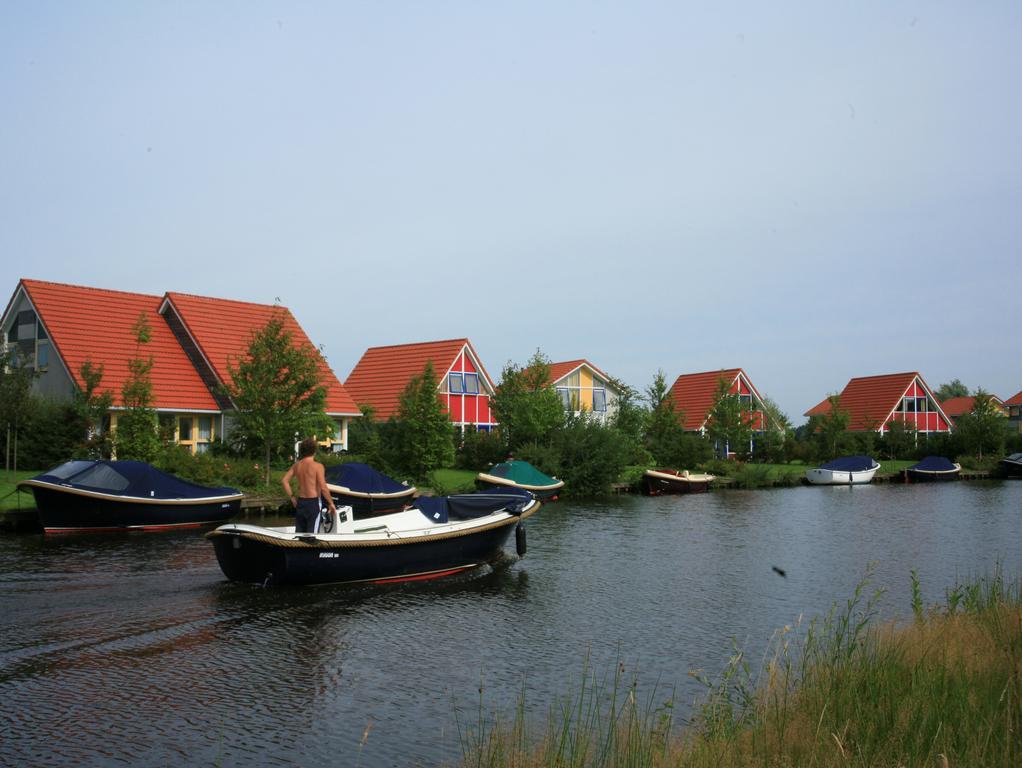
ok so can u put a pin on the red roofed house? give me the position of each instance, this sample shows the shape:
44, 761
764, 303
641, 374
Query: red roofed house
584, 387
695, 395
57, 327
1014, 406
956, 407
873, 402
464, 388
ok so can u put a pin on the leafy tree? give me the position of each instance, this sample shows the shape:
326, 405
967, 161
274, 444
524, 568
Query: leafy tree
592, 456
425, 434
137, 435
15, 402
953, 388
831, 426
527, 407
278, 392
728, 424
88, 408
664, 434
628, 421
899, 439
984, 430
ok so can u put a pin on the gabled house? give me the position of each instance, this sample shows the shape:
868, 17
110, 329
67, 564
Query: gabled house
695, 394
874, 402
464, 387
1014, 407
57, 328
584, 388
956, 407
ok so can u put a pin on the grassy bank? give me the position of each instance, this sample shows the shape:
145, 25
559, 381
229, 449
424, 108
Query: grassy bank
842, 690
8, 482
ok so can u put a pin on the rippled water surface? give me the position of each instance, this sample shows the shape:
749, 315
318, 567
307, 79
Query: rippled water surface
133, 649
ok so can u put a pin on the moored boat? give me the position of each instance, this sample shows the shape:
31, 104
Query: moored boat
98, 496
848, 470
437, 536
933, 469
520, 474
366, 490
658, 481
1013, 464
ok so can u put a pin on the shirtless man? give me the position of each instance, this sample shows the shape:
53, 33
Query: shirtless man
311, 486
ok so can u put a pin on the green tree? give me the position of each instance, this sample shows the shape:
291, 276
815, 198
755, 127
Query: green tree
527, 407
899, 441
278, 392
953, 388
15, 403
137, 436
628, 422
664, 434
88, 408
984, 429
831, 427
425, 433
728, 424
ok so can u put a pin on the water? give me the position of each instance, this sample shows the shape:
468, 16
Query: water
134, 650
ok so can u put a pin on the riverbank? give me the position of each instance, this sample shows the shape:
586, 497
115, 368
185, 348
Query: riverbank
841, 690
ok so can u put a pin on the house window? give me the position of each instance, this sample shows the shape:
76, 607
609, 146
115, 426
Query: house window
456, 384
195, 433
565, 397
599, 400
471, 383
42, 355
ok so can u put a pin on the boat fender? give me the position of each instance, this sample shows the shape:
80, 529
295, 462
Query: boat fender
520, 540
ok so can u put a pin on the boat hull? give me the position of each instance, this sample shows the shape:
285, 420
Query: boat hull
837, 477
655, 483
67, 512
249, 557
922, 476
1012, 468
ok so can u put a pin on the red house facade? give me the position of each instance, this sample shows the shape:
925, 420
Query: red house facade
464, 386
695, 394
875, 402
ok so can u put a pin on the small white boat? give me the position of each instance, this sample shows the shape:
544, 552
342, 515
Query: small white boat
658, 481
848, 470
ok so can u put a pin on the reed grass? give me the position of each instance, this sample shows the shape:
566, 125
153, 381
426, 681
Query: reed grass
843, 689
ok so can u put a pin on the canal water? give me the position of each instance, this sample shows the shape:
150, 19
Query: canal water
134, 650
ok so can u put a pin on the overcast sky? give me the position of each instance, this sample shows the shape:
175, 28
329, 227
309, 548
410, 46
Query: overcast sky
811, 191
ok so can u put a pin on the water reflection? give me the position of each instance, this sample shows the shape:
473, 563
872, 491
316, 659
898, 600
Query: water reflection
135, 649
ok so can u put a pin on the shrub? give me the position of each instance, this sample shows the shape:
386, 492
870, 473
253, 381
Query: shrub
481, 449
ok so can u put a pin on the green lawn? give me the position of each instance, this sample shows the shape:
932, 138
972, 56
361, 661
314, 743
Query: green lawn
446, 481
8, 482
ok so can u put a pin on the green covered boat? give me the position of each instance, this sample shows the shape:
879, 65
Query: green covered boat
520, 474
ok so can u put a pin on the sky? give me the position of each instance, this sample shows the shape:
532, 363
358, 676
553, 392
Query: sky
809, 191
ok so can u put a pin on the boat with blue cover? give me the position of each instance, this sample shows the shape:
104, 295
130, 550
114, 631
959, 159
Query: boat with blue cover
98, 496
933, 469
437, 536
520, 474
848, 470
366, 490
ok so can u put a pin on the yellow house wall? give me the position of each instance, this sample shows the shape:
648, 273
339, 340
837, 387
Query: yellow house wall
586, 382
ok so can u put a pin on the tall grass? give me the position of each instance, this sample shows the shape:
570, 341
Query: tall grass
840, 690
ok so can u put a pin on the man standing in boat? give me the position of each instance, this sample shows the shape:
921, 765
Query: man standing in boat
311, 487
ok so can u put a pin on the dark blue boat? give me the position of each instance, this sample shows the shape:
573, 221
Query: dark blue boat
438, 536
95, 496
934, 469
366, 490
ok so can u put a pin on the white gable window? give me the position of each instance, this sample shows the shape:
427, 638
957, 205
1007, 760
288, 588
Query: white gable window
456, 384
